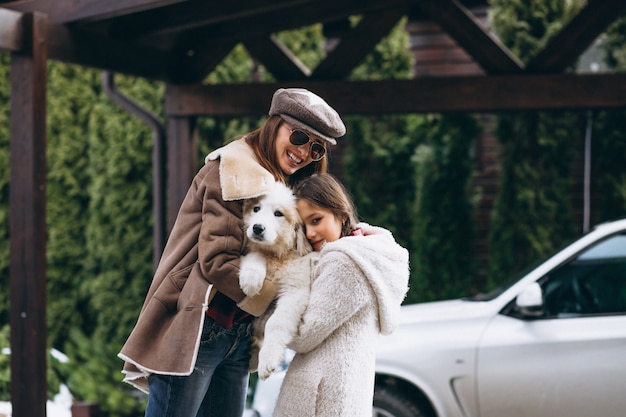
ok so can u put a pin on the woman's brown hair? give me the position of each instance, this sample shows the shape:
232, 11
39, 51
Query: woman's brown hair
327, 192
263, 141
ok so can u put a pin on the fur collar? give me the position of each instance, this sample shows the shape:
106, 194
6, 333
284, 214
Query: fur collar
241, 175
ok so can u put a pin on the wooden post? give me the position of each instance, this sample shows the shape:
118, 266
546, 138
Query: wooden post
27, 222
182, 162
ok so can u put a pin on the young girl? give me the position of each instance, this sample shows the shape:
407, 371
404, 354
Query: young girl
359, 285
190, 347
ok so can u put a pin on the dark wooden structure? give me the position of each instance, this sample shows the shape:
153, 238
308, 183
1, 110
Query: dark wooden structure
181, 41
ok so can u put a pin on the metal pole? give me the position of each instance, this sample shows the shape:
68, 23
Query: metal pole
587, 175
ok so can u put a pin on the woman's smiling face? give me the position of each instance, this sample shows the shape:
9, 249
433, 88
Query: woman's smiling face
291, 157
321, 224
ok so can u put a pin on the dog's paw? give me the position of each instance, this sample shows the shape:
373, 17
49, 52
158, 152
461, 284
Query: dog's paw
252, 273
265, 372
269, 359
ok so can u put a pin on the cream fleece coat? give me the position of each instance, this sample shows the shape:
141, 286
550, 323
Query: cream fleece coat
356, 295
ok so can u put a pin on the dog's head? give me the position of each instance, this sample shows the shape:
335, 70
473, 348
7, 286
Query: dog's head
272, 224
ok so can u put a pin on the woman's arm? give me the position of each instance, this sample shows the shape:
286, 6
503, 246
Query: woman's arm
220, 239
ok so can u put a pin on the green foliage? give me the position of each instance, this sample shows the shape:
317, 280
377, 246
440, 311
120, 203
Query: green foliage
99, 224
608, 150
306, 43
378, 171
609, 135
390, 59
70, 102
377, 150
98, 376
5, 363
383, 159
235, 68
532, 214
613, 45
57, 371
118, 240
526, 27
442, 259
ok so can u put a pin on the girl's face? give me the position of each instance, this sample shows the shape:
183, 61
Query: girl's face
291, 157
320, 224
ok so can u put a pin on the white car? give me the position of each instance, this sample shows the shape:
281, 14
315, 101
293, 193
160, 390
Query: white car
551, 343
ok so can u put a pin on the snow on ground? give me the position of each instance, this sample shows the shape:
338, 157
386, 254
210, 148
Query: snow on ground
61, 406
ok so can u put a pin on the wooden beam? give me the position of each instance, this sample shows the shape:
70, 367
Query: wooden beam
195, 14
466, 30
87, 49
574, 39
197, 61
82, 48
27, 221
277, 58
280, 15
10, 30
422, 95
357, 44
65, 11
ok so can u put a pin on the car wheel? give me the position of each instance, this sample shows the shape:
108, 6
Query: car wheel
393, 404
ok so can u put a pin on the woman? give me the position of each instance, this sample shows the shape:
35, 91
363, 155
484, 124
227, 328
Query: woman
360, 282
190, 347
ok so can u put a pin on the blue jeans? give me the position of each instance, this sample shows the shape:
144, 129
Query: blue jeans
218, 384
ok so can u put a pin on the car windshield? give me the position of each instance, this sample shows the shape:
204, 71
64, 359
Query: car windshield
592, 283
488, 296
613, 248
609, 248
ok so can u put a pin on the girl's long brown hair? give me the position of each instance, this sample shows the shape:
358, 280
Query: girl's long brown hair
327, 192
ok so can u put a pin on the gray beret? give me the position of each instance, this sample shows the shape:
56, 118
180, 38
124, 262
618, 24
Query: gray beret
307, 111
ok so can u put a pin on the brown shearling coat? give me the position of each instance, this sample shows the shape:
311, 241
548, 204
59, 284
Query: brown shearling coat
201, 257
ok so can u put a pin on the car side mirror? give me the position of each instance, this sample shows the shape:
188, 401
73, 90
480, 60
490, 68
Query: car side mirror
530, 301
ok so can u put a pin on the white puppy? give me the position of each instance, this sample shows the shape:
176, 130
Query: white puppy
276, 249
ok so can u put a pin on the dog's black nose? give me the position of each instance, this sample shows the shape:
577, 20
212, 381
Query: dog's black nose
258, 229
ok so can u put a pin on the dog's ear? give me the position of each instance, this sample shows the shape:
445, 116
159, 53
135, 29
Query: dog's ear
302, 243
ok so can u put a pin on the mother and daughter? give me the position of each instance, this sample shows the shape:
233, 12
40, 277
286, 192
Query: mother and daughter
190, 347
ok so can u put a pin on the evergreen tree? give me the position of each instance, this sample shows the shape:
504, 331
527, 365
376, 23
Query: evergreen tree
70, 99
376, 151
118, 240
609, 143
532, 213
442, 263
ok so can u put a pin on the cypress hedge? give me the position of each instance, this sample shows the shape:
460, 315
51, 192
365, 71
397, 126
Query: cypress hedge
532, 215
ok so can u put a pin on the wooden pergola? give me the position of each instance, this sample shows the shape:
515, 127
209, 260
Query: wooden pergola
179, 42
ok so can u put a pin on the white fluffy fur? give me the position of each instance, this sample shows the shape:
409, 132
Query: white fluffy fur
276, 249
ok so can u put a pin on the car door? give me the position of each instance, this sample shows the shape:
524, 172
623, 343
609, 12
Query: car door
570, 360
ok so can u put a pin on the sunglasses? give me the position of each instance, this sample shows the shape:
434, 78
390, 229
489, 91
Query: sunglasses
299, 138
